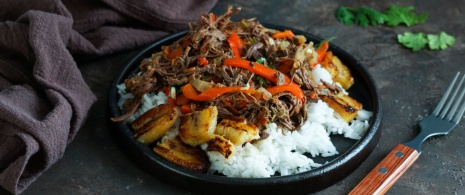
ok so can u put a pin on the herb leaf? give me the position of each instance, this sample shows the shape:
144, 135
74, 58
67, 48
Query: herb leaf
420, 40
393, 16
261, 80
361, 19
345, 16
325, 40
396, 15
362, 16
261, 60
374, 16
441, 41
413, 41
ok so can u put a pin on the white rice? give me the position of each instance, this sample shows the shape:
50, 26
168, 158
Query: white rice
319, 73
283, 151
149, 101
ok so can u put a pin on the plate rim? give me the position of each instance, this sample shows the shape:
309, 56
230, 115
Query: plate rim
359, 150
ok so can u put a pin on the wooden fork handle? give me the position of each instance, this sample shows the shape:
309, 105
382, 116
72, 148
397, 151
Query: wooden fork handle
386, 173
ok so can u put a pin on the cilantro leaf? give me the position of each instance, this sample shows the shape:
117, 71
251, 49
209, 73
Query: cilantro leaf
396, 15
345, 16
362, 16
261, 60
261, 80
413, 41
393, 16
361, 19
375, 17
441, 41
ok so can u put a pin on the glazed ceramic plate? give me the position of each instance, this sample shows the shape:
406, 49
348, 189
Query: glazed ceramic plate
351, 152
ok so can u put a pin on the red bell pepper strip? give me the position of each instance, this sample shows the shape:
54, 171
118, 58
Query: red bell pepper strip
236, 44
212, 17
210, 94
202, 61
185, 109
321, 51
256, 68
173, 54
285, 66
167, 92
267, 73
189, 91
182, 100
283, 34
171, 101
292, 88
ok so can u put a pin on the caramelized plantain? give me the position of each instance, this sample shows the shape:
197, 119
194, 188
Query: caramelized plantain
175, 151
329, 65
344, 105
344, 77
198, 127
338, 71
221, 145
154, 123
237, 132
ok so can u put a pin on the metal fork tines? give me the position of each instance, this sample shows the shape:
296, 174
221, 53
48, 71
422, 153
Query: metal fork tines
445, 116
442, 110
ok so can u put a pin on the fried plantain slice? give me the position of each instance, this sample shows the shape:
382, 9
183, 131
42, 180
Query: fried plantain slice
198, 127
175, 151
344, 105
154, 123
238, 132
221, 145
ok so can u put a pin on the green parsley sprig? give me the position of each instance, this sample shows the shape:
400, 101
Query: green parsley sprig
362, 16
396, 15
393, 16
421, 40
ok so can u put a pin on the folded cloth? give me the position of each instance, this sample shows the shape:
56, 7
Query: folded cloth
43, 97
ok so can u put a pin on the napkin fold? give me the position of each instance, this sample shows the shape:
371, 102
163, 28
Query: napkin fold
43, 98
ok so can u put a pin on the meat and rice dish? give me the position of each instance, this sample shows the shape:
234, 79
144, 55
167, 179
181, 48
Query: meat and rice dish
242, 100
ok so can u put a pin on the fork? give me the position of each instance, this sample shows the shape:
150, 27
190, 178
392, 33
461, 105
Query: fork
441, 121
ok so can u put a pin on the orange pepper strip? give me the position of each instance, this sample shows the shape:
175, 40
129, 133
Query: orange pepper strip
256, 68
172, 101
285, 66
185, 109
167, 91
202, 61
182, 100
236, 44
283, 34
321, 51
210, 94
269, 74
293, 88
173, 54
212, 17
189, 91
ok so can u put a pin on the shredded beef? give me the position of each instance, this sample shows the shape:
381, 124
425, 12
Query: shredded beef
180, 63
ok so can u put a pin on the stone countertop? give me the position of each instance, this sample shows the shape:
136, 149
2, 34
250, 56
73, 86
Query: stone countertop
410, 83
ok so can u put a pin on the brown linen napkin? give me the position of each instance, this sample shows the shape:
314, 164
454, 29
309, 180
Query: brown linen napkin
43, 97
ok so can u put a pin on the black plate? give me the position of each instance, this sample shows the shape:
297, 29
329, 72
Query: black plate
351, 153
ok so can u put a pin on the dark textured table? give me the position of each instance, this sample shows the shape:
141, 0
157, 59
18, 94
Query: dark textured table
410, 84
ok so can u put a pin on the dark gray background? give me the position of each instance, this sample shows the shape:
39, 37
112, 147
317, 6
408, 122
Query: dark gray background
410, 84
